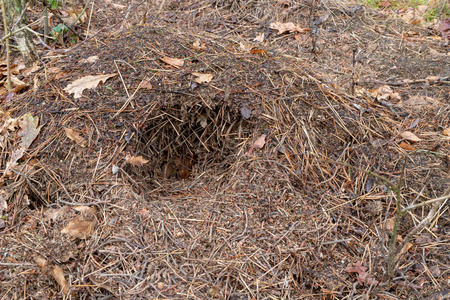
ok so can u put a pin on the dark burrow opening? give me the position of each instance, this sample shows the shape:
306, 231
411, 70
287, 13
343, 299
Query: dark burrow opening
186, 139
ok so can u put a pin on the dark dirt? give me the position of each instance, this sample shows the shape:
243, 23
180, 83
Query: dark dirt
206, 217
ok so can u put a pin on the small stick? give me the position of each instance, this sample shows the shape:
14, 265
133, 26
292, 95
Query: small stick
121, 79
8, 51
129, 99
96, 166
353, 71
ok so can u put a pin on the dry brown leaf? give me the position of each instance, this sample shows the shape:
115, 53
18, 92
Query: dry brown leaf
383, 92
53, 214
446, 131
11, 124
363, 277
259, 38
406, 146
259, 143
54, 70
75, 136
80, 227
202, 78
86, 209
390, 224
422, 9
286, 27
136, 160
321, 19
42, 263
244, 47
405, 248
58, 274
88, 82
72, 15
17, 82
28, 132
175, 62
444, 28
408, 135
31, 70
395, 97
435, 271
198, 46
12, 163
91, 59
146, 84
412, 16
418, 101
29, 129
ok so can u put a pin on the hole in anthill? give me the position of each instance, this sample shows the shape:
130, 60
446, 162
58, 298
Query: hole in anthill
184, 139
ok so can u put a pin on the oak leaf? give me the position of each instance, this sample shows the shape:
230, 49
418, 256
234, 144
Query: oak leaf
286, 27
88, 82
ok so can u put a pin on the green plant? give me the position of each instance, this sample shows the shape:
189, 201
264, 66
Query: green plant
54, 4
59, 29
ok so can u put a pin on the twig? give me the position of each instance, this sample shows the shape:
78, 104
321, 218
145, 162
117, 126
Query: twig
436, 203
398, 83
70, 49
129, 99
8, 50
121, 79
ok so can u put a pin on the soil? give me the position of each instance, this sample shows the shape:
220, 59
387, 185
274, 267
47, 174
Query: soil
162, 191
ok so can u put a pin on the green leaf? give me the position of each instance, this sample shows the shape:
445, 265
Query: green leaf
54, 4
58, 29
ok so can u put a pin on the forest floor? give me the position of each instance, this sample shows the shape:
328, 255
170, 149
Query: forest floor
227, 154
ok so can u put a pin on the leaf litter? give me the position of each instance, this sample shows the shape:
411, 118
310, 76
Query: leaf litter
288, 221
